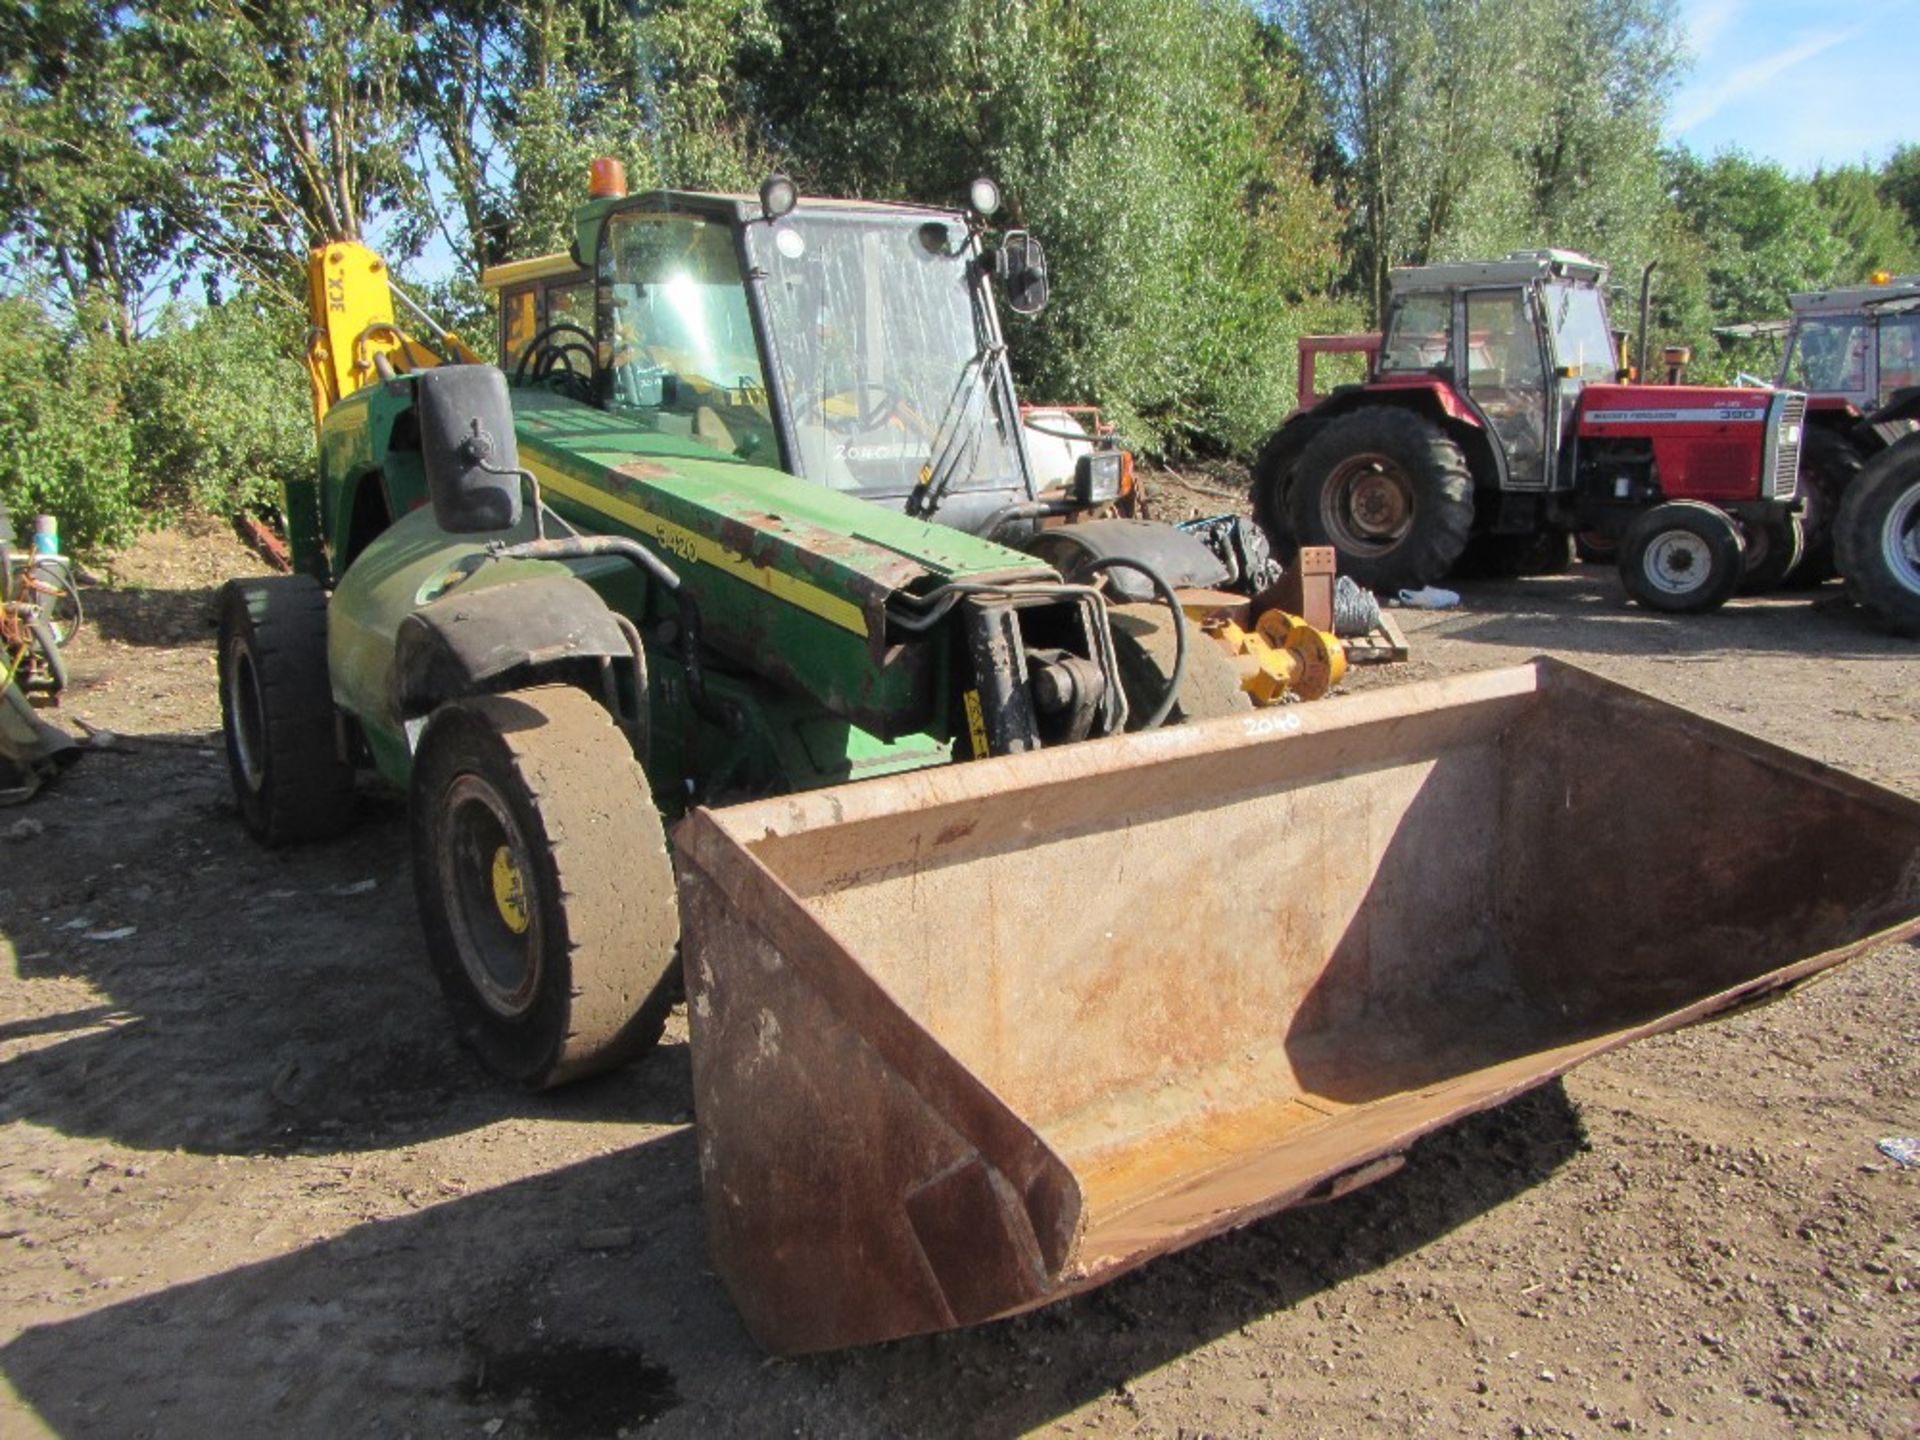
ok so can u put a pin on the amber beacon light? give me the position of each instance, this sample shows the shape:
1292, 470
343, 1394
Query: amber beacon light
607, 179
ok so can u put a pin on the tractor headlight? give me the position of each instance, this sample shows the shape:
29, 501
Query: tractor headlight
1099, 476
984, 196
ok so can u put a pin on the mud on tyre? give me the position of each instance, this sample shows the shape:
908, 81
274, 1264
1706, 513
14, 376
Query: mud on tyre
541, 871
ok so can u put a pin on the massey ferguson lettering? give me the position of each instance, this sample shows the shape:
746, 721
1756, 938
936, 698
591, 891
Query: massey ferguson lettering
1718, 414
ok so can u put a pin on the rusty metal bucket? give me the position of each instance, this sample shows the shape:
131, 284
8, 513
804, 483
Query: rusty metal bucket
969, 1040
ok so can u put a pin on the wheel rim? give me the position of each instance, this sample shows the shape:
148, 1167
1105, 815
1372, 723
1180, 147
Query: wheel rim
247, 715
484, 865
1367, 504
1678, 563
1900, 540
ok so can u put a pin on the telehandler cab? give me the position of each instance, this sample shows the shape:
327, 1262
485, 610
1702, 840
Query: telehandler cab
997, 984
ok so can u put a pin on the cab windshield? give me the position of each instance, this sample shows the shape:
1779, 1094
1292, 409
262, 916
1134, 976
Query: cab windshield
684, 359
886, 355
1828, 355
1582, 342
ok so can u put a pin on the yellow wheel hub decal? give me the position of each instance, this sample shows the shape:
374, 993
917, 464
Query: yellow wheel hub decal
510, 892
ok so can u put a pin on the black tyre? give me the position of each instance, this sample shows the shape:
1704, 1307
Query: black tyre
1390, 492
1771, 552
1681, 557
541, 871
1828, 466
1273, 470
276, 709
1596, 547
1876, 538
1143, 643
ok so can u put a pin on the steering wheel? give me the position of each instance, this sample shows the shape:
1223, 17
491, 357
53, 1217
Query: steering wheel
548, 353
890, 402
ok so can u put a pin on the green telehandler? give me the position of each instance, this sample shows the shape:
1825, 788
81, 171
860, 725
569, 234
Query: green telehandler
723, 633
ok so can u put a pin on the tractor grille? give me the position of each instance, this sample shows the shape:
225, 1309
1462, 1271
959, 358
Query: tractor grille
1785, 430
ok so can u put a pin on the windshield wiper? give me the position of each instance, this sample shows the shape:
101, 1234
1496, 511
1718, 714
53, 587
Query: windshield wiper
957, 439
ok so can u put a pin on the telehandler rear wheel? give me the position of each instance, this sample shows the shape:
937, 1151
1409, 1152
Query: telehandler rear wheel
1143, 643
276, 709
541, 871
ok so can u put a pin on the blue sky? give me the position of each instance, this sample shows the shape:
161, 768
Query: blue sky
1803, 83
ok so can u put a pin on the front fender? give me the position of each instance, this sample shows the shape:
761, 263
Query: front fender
502, 637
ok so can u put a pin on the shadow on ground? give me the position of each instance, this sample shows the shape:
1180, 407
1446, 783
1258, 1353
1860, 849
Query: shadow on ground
433, 1326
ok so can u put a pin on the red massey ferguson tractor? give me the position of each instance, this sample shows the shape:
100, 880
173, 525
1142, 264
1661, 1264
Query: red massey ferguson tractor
1496, 412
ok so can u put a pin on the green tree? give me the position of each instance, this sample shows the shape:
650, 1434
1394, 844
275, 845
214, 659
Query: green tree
83, 201
1156, 147
1874, 230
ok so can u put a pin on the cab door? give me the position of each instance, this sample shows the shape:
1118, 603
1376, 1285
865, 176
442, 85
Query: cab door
1505, 369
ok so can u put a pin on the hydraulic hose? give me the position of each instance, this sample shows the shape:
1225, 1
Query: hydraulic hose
1172, 602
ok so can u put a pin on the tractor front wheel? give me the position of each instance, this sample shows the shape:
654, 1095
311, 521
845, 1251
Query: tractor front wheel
1390, 492
1876, 538
276, 710
541, 872
1681, 557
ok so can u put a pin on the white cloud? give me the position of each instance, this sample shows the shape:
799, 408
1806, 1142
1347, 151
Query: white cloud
1701, 103
1706, 21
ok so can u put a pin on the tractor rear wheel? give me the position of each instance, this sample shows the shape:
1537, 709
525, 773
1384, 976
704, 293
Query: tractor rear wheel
1143, 643
541, 871
1828, 466
1773, 551
1876, 538
276, 710
1273, 471
1681, 557
1390, 492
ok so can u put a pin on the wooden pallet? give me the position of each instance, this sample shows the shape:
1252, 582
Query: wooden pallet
1383, 645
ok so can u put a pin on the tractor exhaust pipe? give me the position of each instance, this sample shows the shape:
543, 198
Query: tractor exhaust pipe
1646, 313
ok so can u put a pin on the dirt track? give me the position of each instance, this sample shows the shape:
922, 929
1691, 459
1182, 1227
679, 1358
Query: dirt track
249, 1185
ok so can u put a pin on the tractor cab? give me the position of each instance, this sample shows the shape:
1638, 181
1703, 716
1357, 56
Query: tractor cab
854, 345
1857, 346
1520, 338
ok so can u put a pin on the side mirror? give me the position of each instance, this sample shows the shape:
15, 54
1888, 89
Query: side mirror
468, 448
1022, 265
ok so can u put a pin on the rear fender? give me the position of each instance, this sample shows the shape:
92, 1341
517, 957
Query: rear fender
506, 637
1429, 396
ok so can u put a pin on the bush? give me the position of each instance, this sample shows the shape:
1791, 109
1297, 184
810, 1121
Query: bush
66, 448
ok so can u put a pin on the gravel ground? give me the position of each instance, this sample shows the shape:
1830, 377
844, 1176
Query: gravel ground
250, 1185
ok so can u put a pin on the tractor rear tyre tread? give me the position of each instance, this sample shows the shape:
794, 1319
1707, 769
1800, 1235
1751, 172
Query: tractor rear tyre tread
1416, 457
277, 714
1143, 643
1876, 539
1828, 467
1273, 470
539, 786
1681, 557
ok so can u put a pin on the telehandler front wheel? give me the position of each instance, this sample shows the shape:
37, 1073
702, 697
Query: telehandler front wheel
541, 872
1681, 557
276, 711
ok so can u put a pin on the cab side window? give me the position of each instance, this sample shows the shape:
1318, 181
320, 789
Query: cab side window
519, 319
